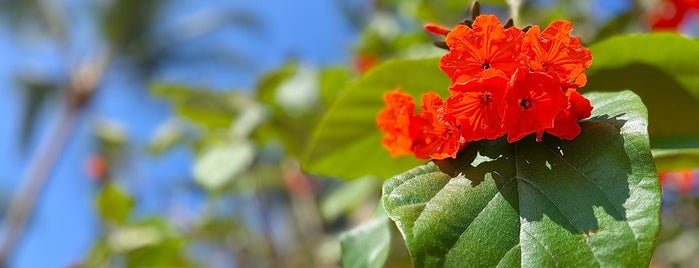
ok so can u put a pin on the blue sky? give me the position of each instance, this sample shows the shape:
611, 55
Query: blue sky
65, 224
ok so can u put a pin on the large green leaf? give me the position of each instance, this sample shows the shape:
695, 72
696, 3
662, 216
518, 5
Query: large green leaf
592, 201
662, 68
347, 142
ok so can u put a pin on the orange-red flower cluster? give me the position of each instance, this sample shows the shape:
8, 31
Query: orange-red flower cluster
505, 81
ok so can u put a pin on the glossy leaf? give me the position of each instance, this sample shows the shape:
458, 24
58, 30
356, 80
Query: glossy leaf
347, 142
592, 201
662, 69
367, 245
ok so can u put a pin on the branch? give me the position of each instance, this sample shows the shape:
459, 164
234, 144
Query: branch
83, 83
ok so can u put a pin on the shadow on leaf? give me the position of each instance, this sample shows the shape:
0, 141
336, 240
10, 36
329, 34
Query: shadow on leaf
566, 181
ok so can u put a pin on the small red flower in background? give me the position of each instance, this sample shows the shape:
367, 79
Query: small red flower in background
364, 62
504, 82
684, 182
97, 167
669, 14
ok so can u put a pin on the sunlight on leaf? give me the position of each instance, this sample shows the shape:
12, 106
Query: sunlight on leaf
592, 201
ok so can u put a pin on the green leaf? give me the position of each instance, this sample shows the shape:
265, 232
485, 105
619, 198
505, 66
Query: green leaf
676, 159
662, 69
332, 81
367, 245
205, 108
220, 164
151, 243
268, 84
347, 142
348, 197
113, 203
592, 201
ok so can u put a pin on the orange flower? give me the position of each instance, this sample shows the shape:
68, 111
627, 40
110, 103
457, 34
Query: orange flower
394, 120
487, 45
482, 102
533, 100
504, 82
555, 52
435, 134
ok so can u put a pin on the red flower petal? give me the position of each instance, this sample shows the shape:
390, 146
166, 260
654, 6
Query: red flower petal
434, 134
533, 100
482, 102
553, 51
487, 45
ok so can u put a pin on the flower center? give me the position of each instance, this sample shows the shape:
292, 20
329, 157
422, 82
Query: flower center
486, 65
526, 104
486, 98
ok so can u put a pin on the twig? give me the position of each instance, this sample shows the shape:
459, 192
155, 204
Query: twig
84, 81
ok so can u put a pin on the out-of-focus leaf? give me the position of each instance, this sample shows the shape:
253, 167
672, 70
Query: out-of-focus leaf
367, 245
114, 203
680, 251
619, 24
332, 81
129, 238
205, 108
154, 243
43, 15
219, 164
662, 69
450, 11
165, 137
592, 201
297, 94
99, 254
294, 98
126, 21
676, 159
347, 142
270, 82
348, 197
